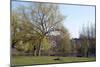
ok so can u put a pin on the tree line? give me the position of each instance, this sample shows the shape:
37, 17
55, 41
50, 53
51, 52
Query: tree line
32, 28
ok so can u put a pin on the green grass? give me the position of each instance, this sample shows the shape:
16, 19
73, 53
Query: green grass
29, 60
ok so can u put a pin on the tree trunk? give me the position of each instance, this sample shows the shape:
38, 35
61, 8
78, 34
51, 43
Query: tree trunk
34, 50
38, 52
35, 53
39, 48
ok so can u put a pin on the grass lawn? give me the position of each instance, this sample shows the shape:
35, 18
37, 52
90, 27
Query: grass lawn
34, 60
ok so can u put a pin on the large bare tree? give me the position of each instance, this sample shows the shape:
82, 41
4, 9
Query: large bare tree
40, 19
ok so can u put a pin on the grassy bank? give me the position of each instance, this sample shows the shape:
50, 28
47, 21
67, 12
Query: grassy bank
33, 60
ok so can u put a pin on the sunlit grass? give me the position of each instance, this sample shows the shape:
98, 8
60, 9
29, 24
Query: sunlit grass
33, 60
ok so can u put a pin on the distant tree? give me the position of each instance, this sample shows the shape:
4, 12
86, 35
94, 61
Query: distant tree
61, 42
65, 45
88, 39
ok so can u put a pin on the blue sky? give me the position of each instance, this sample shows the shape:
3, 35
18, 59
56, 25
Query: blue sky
76, 16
